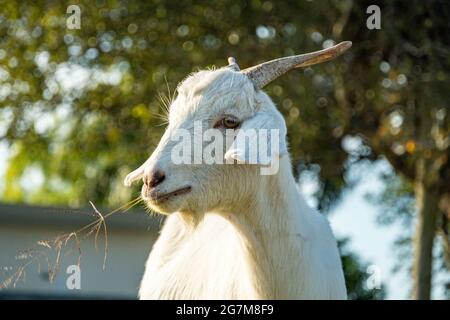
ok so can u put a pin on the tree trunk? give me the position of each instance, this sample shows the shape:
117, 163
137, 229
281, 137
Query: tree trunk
427, 199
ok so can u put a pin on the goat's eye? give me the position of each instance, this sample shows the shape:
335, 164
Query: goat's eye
228, 122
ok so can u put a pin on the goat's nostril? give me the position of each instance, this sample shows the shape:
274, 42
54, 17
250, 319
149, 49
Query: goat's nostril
155, 179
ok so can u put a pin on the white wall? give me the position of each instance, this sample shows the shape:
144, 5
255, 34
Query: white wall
128, 249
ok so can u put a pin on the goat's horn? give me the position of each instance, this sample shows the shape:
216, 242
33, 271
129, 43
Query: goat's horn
266, 72
233, 64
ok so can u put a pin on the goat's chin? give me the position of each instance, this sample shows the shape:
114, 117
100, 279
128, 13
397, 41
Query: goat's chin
166, 207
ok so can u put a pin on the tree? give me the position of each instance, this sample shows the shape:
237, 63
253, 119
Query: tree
82, 136
397, 94
397, 206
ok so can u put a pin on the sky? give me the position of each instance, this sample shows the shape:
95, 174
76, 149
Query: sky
355, 218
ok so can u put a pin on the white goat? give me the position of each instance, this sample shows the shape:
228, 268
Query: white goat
233, 233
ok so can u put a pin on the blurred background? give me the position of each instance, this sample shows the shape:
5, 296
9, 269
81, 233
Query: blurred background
368, 132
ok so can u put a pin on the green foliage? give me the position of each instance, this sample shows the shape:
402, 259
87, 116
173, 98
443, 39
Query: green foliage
354, 278
127, 53
89, 134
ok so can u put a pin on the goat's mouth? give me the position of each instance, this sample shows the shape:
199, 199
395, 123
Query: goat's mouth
158, 197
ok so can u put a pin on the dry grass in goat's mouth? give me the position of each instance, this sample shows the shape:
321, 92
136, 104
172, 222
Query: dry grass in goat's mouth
41, 251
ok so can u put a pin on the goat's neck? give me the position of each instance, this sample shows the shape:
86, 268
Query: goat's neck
272, 226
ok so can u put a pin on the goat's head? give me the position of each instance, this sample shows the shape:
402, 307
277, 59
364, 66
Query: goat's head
216, 104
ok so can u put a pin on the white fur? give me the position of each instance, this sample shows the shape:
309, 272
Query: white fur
238, 234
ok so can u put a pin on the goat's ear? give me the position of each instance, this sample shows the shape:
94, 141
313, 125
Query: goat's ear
259, 140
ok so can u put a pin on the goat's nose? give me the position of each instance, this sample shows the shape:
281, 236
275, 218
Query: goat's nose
154, 179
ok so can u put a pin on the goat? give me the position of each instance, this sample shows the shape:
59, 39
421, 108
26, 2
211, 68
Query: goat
230, 232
